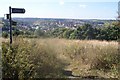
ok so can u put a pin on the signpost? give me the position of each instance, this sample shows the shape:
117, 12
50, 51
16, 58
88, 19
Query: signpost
18, 10
13, 10
10, 20
6, 16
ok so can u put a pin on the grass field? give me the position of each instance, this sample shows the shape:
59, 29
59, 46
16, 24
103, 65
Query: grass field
82, 57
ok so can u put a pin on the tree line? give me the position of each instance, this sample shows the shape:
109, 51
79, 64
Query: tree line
88, 32
85, 32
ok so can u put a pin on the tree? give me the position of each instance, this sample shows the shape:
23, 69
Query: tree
38, 32
74, 35
67, 33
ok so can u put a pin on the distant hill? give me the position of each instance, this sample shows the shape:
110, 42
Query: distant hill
56, 22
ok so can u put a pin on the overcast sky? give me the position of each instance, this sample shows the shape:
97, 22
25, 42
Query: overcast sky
75, 9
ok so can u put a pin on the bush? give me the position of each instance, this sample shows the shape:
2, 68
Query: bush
5, 35
15, 61
107, 62
25, 60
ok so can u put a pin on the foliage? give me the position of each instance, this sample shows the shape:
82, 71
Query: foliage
67, 33
15, 61
5, 35
38, 32
110, 31
25, 60
93, 58
88, 32
58, 32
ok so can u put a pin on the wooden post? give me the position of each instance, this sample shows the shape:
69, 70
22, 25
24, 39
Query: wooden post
10, 20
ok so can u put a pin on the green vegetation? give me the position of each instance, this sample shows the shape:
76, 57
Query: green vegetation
41, 58
88, 32
37, 53
5, 34
29, 60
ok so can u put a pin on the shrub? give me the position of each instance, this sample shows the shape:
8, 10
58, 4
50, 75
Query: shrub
15, 61
25, 60
5, 35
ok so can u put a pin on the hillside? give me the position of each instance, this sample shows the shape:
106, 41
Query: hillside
52, 22
51, 58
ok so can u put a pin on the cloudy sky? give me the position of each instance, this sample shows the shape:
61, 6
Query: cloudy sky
75, 9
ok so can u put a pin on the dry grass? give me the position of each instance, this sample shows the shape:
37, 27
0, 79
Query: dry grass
3, 40
83, 56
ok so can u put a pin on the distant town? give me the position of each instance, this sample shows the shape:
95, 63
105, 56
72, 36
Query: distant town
51, 23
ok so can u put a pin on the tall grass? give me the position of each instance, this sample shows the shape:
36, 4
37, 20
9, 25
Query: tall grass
83, 57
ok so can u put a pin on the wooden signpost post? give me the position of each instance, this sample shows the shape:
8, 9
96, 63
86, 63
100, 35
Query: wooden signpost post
13, 10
